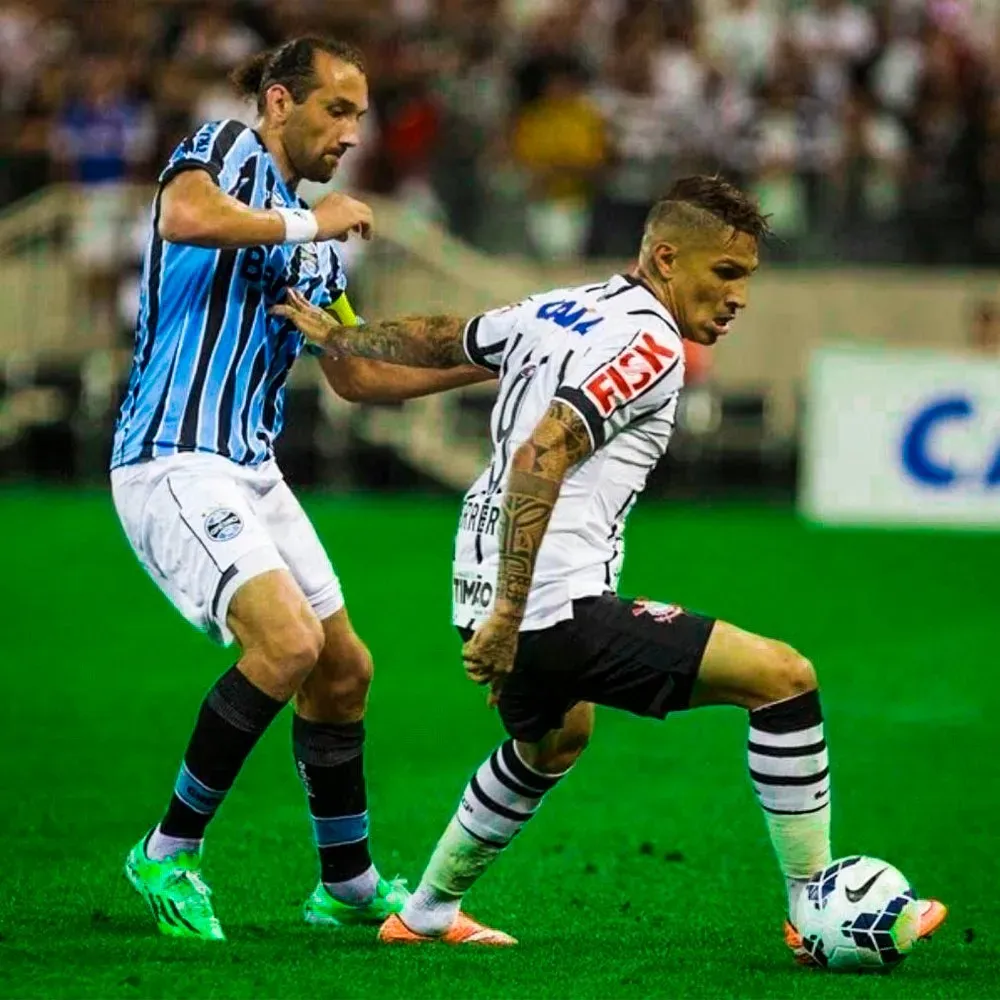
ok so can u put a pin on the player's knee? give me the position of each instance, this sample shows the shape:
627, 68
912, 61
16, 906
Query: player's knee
566, 753
294, 649
558, 754
788, 673
338, 688
348, 687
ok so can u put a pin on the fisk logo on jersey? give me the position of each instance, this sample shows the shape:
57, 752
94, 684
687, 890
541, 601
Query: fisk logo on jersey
645, 361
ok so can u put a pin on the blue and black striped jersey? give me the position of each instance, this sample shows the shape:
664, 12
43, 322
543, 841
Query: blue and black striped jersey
210, 364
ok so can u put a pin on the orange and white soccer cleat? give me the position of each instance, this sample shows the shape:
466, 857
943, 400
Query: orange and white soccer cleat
464, 930
932, 916
793, 941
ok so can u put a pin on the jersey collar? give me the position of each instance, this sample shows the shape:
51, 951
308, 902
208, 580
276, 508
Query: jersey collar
288, 195
629, 284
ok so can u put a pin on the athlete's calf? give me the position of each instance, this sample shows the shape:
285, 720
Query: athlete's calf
281, 640
328, 740
786, 752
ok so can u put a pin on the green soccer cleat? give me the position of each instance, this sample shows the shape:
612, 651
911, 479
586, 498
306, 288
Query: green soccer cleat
390, 897
179, 900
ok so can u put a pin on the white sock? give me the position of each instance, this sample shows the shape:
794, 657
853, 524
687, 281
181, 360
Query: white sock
501, 797
355, 891
429, 911
794, 887
789, 768
160, 846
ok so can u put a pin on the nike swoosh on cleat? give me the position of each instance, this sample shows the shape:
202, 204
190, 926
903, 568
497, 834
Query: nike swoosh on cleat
856, 895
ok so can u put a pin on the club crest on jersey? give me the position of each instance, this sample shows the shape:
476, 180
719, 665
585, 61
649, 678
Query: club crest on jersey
662, 614
644, 362
223, 524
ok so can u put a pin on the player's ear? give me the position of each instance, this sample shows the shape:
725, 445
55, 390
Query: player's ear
278, 101
664, 257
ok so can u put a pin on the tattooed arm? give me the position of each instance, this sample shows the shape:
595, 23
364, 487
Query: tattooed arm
538, 469
418, 341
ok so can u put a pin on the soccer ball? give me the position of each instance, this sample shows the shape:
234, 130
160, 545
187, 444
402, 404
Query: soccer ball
859, 913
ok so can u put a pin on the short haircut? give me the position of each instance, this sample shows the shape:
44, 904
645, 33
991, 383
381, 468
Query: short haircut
705, 204
293, 65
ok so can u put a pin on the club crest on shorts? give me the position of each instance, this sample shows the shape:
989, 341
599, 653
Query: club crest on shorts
664, 614
223, 524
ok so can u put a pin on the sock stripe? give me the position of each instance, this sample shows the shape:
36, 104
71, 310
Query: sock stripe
195, 794
481, 839
333, 830
795, 812
522, 773
495, 807
797, 740
791, 715
326, 744
788, 779
782, 767
510, 783
787, 751
242, 704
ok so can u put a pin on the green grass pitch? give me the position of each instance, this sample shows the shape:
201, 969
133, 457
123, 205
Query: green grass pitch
646, 874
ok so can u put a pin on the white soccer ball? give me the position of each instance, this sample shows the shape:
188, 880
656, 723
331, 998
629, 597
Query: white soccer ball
859, 913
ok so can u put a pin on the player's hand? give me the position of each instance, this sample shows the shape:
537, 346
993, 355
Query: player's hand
315, 324
489, 655
339, 215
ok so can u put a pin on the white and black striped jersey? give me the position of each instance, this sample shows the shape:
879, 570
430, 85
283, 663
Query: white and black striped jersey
614, 354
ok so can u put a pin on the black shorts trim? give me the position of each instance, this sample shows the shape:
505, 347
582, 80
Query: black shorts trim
636, 655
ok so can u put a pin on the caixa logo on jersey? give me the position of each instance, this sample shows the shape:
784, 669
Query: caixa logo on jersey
223, 524
946, 445
644, 362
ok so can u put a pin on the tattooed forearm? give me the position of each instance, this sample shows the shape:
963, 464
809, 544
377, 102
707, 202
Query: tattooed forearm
524, 518
421, 341
539, 467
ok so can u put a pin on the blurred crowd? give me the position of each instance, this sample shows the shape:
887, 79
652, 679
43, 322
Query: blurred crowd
869, 132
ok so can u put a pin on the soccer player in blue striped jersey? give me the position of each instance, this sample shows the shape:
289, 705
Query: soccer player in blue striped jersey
198, 492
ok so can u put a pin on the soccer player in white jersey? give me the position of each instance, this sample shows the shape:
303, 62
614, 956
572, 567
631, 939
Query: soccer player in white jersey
203, 502
589, 382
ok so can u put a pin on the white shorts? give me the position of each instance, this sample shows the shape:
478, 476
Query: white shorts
202, 526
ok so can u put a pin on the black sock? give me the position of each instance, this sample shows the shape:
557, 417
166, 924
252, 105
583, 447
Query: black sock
232, 718
330, 762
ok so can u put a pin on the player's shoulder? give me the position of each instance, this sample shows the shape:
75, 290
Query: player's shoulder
212, 130
216, 139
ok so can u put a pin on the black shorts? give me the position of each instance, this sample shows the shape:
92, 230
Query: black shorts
636, 655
